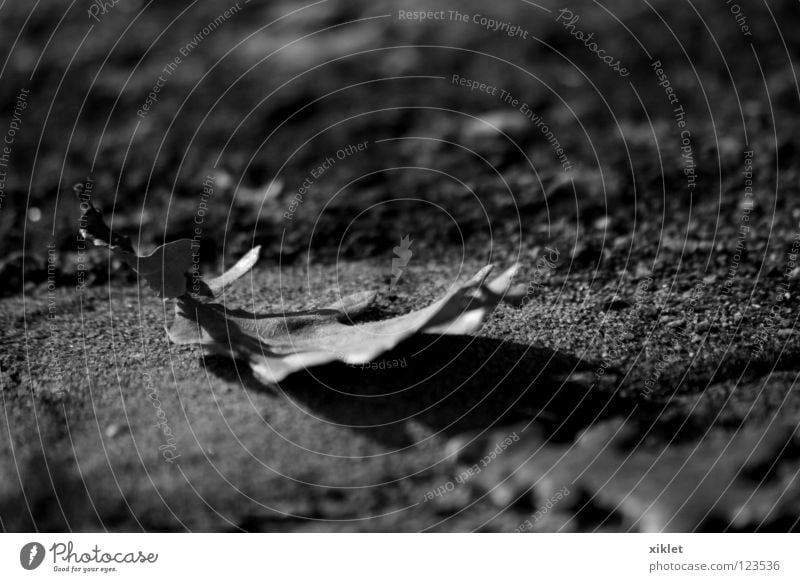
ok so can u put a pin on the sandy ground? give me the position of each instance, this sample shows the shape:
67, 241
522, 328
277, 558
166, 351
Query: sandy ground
87, 400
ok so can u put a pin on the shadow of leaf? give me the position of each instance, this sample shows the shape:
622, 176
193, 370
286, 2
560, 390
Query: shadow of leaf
449, 384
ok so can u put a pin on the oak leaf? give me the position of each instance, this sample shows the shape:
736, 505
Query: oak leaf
276, 344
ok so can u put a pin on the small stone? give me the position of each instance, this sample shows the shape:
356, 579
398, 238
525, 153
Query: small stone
494, 124
114, 430
642, 271
602, 223
583, 377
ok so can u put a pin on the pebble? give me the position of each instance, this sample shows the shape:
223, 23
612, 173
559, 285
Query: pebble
602, 223
493, 124
115, 430
581, 377
642, 271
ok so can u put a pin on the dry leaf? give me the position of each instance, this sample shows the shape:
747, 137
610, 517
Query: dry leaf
164, 269
277, 344
742, 481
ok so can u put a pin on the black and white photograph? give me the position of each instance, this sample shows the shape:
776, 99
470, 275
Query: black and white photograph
400, 267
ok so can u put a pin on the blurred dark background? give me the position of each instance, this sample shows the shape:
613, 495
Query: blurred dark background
263, 96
